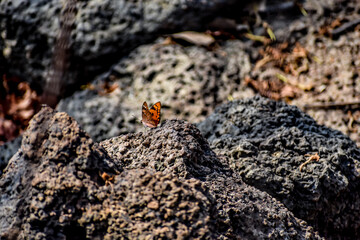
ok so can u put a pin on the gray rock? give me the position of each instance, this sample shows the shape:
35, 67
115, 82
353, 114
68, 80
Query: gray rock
189, 82
266, 142
163, 183
8, 150
103, 31
238, 210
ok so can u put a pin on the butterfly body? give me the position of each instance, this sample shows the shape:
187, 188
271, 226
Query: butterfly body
151, 117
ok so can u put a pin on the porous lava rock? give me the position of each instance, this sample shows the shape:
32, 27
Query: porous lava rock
163, 183
188, 80
143, 203
51, 179
102, 32
266, 142
237, 210
8, 150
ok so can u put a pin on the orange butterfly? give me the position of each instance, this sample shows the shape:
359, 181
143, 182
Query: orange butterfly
151, 117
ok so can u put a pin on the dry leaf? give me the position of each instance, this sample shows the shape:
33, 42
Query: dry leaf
195, 38
18, 105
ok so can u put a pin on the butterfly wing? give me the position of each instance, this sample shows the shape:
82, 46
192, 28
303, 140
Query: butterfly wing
146, 115
155, 111
151, 117
145, 108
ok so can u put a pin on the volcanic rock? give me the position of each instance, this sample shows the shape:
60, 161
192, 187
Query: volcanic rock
102, 32
266, 142
162, 183
176, 75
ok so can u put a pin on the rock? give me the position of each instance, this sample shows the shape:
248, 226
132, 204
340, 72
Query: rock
167, 184
177, 76
144, 203
266, 142
236, 209
50, 179
8, 150
103, 32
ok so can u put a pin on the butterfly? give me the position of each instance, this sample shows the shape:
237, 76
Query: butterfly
151, 117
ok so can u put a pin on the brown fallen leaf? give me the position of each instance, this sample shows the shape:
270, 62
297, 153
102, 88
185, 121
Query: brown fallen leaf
18, 104
266, 88
274, 88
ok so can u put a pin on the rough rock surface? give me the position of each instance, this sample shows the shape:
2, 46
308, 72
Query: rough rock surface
330, 37
8, 150
332, 69
267, 141
50, 179
103, 31
177, 76
168, 184
336, 80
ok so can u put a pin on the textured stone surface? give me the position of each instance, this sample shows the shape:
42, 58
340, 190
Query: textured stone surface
238, 211
330, 70
102, 33
189, 81
267, 141
50, 179
336, 80
144, 203
8, 150
168, 184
